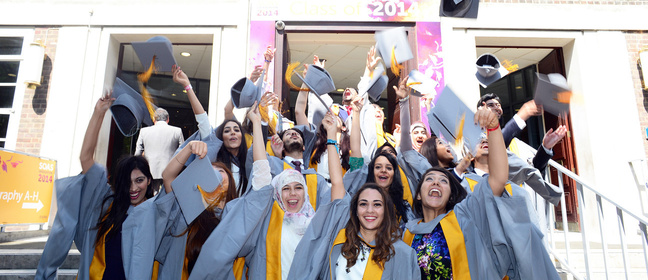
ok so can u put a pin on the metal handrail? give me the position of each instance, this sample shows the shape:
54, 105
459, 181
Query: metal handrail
581, 186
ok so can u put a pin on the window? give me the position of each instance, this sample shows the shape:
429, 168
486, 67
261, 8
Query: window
13, 44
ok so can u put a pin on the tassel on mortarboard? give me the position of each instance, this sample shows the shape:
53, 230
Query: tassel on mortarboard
289, 72
395, 67
148, 99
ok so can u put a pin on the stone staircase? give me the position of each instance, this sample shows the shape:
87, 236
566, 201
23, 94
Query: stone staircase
19, 257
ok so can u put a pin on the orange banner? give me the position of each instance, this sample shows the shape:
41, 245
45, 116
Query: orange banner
26, 185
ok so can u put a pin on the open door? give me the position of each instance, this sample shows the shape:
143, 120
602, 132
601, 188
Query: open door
563, 151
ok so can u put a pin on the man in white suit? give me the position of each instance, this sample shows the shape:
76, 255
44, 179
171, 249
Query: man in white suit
158, 143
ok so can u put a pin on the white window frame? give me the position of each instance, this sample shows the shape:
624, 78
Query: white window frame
15, 111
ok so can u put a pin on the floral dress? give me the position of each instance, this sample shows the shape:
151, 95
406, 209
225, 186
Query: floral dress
433, 255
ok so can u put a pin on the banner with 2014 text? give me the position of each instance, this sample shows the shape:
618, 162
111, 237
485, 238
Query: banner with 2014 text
26, 187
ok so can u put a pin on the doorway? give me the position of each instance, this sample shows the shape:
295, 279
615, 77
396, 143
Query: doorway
517, 88
344, 45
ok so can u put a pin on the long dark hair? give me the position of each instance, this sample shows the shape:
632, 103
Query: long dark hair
387, 233
429, 151
227, 158
395, 190
110, 223
200, 229
457, 192
320, 147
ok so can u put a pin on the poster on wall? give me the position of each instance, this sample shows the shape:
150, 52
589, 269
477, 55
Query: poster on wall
26, 186
423, 13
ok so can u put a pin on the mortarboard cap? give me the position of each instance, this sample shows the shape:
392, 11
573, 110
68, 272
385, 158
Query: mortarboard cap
317, 109
489, 69
378, 83
459, 8
158, 46
447, 117
553, 93
199, 175
421, 84
129, 110
396, 39
244, 92
319, 81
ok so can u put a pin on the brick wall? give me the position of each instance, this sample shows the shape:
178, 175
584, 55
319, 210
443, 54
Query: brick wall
32, 120
636, 41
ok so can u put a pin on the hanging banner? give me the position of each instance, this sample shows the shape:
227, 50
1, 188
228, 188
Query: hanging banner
26, 186
345, 10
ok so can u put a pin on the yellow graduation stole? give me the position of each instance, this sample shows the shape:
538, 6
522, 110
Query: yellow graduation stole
273, 243
456, 245
407, 192
311, 183
98, 264
472, 183
248, 143
239, 267
372, 271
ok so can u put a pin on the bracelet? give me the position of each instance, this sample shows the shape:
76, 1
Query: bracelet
404, 99
331, 142
488, 130
188, 87
268, 61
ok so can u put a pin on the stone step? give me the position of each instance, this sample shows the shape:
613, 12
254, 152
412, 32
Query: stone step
28, 259
15, 274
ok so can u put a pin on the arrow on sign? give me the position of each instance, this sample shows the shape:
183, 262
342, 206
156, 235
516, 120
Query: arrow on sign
36, 205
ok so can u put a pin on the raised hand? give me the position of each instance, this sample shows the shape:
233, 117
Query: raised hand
553, 137
253, 114
256, 73
402, 91
530, 109
198, 148
316, 61
330, 124
486, 118
277, 145
269, 54
179, 76
372, 60
356, 104
104, 103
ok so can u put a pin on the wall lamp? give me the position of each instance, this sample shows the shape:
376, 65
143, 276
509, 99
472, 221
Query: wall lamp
33, 64
643, 68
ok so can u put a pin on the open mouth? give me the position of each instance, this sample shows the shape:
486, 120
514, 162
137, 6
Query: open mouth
292, 203
383, 178
370, 218
434, 193
134, 195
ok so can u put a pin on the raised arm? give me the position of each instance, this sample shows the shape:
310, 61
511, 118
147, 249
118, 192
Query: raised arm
335, 167
201, 116
402, 91
302, 98
176, 164
92, 133
356, 107
258, 147
497, 157
268, 56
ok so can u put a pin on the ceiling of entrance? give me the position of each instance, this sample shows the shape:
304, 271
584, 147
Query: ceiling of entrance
345, 53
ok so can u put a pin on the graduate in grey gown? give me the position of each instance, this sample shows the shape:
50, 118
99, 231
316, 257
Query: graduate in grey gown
482, 235
354, 238
182, 241
118, 226
268, 242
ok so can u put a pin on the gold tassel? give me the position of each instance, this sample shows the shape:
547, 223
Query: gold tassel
289, 72
510, 66
213, 198
395, 67
148, 99
459, 131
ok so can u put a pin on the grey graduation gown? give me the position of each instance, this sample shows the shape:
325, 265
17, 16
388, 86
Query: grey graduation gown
315, 252
500, 238
80, 206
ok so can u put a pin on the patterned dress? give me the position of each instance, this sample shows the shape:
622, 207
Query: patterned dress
433, 255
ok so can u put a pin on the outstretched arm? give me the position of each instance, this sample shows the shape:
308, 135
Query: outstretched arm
356, 105
92, 133
402, 91
497, 158
176, 164
302, 99
181, 78
335, 167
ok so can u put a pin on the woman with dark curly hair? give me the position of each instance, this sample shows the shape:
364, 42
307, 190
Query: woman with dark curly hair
354, 238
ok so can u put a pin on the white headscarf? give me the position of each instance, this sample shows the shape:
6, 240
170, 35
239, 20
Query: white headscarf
297, 222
